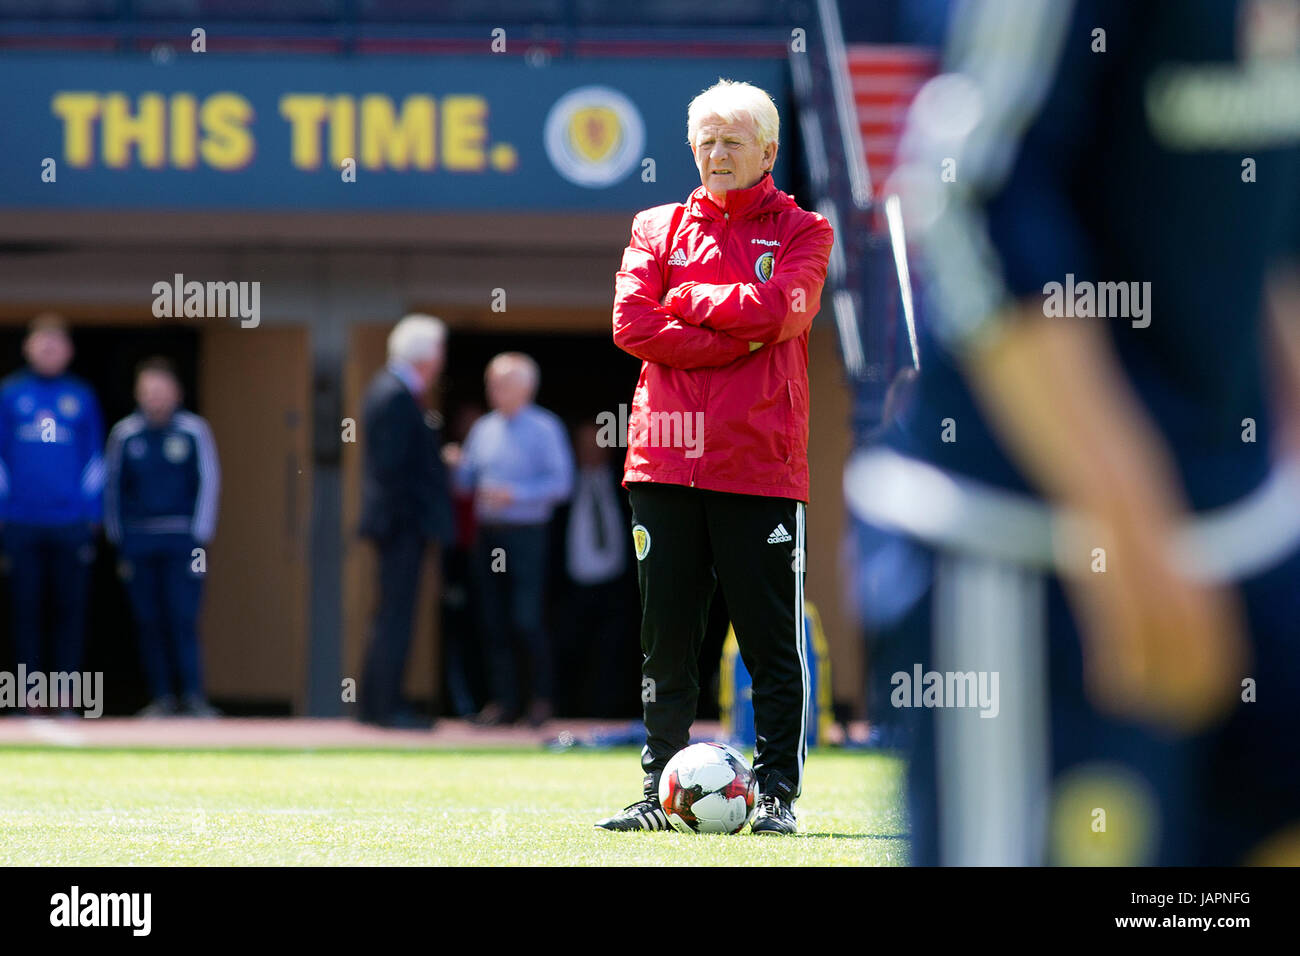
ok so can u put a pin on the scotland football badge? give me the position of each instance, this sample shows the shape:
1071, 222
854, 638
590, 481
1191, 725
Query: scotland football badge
641, 538
176, 449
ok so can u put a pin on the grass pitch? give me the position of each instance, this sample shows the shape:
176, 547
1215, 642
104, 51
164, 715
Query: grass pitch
63, 807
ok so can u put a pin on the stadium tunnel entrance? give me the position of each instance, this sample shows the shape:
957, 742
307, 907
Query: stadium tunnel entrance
257, 572
290, 586
583, 375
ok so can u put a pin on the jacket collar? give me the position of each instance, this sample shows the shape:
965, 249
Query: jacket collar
157, 426
405, 374
749, 203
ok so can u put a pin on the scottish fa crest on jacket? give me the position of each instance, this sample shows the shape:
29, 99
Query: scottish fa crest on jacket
176, 448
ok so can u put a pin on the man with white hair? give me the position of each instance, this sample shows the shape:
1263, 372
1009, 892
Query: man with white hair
518, 464
716, 296
405, 504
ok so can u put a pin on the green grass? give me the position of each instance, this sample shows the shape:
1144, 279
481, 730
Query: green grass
83, 807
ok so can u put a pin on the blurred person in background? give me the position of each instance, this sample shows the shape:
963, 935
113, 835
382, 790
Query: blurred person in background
51, 489
1104, 155
160, 507
405, 505
599, 603
517, 463
460, 632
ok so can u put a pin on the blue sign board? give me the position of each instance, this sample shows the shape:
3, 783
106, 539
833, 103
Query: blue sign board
328, 133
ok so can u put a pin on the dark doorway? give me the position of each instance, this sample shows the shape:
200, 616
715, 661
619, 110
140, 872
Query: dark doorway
106, 358
582, 376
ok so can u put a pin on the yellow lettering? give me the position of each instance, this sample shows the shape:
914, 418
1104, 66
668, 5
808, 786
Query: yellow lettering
464, 133
343, 130
387, 142
227, 143
304, 111
78, 112
121, 129
184, 131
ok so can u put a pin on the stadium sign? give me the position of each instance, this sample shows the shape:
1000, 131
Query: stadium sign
368, 133
594, 136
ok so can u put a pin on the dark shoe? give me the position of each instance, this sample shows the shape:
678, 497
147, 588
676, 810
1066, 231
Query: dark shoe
196, 705
645, 814
493, 715
164, 706
540, 712
400, 720
775, 812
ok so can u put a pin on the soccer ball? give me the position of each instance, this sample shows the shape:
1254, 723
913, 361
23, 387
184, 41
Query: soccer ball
708, 788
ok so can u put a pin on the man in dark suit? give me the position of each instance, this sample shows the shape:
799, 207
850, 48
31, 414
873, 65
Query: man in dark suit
405, 504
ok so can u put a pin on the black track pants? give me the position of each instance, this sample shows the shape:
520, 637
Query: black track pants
688, 541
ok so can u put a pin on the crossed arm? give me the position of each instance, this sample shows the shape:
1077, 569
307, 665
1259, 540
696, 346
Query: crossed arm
648, 329
764, 312
707, 325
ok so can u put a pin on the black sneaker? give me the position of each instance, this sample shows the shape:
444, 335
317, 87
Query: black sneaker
645, 814
775, 812
494, 715
196, 705
164, 706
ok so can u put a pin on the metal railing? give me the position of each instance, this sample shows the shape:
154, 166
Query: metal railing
869, 286
563, 28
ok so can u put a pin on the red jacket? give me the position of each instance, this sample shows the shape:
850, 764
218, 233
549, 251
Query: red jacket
709, 412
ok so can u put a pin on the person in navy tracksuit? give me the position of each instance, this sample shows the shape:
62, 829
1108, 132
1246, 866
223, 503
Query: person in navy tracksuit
51, 480
1108, 148
160, 511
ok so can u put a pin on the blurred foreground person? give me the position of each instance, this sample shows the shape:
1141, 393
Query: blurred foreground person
405, 505
160, 510
1098, 255
518, 464
51, 489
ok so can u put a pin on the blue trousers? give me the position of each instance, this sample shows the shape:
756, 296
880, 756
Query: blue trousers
49, 563
165, 598
508, 567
